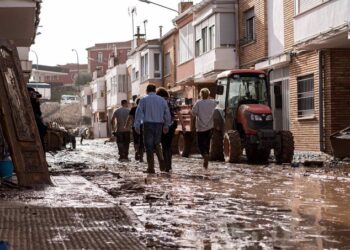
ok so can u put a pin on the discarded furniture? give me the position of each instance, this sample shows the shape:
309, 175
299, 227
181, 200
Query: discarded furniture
340, 142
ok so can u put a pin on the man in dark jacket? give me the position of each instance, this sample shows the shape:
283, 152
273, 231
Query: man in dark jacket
34, 99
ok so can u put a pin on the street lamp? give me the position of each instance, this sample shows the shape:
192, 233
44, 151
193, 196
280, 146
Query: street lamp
150, 2
37, 64
76, 52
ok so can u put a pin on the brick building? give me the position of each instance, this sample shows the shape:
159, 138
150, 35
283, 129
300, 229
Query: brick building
99, 54
57, 75
308, 58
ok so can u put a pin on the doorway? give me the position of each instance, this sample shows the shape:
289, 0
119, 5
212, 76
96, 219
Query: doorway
279, 85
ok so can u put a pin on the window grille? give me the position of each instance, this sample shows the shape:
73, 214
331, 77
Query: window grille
306, 102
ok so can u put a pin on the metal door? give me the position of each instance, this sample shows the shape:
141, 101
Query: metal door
279, 85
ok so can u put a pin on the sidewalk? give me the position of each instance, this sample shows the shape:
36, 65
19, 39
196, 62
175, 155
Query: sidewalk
73, 214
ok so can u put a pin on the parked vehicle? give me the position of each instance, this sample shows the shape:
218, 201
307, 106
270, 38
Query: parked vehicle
243, 101
69, 99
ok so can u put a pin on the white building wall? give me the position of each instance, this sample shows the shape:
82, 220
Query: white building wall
99, 102
222, 56
321, 19
134, 61
275, 27
114, 97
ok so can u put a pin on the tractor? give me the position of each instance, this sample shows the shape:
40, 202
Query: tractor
246, 120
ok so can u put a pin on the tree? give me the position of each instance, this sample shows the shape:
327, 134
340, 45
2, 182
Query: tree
82, 79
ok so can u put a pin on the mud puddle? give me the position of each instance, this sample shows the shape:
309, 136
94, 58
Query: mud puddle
227, 207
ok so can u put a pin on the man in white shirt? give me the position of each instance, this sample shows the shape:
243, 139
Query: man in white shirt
203, 110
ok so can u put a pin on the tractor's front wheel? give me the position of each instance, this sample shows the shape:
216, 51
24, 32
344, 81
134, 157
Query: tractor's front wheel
285, 153
232, 146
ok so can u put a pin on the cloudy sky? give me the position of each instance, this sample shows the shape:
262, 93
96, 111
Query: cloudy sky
79, 24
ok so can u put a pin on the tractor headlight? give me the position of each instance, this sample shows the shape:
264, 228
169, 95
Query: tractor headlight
254, 117
269, 118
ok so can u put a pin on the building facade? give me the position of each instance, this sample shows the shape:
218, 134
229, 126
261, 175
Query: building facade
306, 60
215, 41
100, 53
19, 21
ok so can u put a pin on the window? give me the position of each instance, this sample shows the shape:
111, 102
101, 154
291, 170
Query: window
249, 17
144, 66
89, 101
100, 57
167, 65
114, 85
186, 42
212, 37
133, 75
198, 47
157, 65
306, 103
204, 40
304, 5
122, 84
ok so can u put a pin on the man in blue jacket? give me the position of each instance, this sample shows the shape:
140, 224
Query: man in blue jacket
153, 112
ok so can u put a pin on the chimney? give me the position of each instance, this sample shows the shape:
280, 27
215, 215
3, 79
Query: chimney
183, 6
160, 31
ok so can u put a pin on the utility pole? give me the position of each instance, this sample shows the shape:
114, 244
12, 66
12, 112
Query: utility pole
37, 64
76, 52
132, 12
145, 24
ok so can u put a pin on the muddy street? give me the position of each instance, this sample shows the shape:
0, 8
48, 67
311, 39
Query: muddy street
228, 206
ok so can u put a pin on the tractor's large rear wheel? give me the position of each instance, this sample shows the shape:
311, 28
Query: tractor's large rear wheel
286, 152
232, 147
217, 146
184, 144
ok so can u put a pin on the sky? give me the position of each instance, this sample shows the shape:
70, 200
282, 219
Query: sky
79, 24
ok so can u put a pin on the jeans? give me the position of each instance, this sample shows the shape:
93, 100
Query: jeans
167, 140
152, 134
123, 141
203, 139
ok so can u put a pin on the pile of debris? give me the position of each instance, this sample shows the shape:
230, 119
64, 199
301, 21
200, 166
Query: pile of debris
58, 137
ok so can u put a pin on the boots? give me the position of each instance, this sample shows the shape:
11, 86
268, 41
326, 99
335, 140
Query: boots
141, 154
150, 163
159, 153
206, 161
137, 152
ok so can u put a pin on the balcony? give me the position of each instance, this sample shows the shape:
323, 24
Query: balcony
99, 105
114, 101
17, 21
323, 26
215, 60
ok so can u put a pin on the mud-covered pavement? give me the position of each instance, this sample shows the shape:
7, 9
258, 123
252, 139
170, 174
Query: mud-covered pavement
226, 207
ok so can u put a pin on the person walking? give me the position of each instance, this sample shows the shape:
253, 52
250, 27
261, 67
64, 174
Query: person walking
35, 101
203, 110
122, 131
167, 139
137, 138
153, 112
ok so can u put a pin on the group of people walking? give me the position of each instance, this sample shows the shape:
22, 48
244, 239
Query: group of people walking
153, 122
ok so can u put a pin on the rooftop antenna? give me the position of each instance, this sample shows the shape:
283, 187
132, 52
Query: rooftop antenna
133, 13
145, 26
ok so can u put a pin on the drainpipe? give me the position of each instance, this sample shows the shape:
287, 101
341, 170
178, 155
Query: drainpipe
321, 98
269, 86
237, 35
